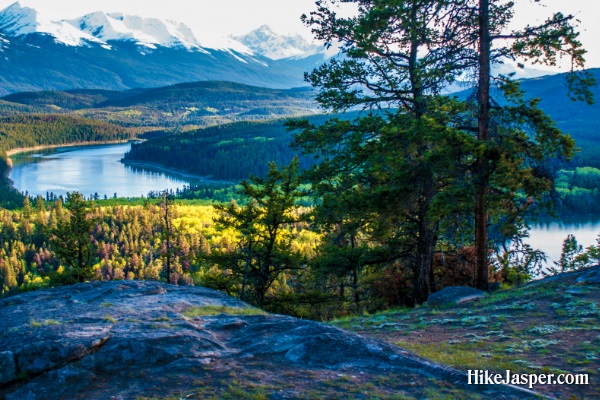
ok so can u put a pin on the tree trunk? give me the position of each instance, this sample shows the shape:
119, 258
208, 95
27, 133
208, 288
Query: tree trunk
355, 288
80, 261
426, 241
246, 267
168, 236
355, 275
426, 237
482, 180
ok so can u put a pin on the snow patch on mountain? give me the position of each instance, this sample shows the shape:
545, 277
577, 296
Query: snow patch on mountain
225, 44
265, 42
3, 43
148, 32
16, 20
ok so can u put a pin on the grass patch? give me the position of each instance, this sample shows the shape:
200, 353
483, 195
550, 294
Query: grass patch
466, 355
204, 311
36, 324
109, 319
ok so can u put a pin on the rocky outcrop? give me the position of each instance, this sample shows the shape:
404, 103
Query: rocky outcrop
129, 339
590, 276
453, 295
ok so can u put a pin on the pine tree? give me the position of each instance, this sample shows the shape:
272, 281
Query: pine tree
542, 44
421, 157
263, 224
70, 240
398, 56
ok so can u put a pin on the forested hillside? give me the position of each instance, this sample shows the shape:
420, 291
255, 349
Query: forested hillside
215, 94
227, 152
67, 99
39, 130
193, 104
579, 189
426, 194
8, 108
128, 242
580, 120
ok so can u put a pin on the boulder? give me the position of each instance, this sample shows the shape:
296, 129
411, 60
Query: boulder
130, 339
591, 276
453, 295
8, 367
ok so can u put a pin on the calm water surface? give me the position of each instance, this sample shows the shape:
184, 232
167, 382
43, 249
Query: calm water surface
548, 235
88, 170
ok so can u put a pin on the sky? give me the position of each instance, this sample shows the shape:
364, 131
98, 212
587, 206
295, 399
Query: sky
238, 17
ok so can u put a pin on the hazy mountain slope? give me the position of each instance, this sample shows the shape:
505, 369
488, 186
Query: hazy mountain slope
580, 120
265, 42
62, 67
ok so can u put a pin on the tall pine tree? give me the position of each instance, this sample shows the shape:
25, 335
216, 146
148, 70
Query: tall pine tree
71, 240
398, 56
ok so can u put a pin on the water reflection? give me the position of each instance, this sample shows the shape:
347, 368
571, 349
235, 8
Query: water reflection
89, 170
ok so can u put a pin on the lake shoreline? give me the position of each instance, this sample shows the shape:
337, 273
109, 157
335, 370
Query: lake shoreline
160, 172
180, 173
19, 150
6, 175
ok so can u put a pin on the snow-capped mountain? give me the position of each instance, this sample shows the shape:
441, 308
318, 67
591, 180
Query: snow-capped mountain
101, 28
118, 51
18, 21
265, 42
148, 32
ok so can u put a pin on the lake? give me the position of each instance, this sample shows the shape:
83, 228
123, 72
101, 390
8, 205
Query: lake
88, 170
97, 169
548, 234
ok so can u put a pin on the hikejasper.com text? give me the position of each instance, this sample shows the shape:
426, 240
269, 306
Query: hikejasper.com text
483, 377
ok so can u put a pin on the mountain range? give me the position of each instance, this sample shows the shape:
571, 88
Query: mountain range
118, 52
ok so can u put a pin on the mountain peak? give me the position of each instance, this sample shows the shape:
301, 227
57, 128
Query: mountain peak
267, 43
16, 7
264, 28
18, 20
